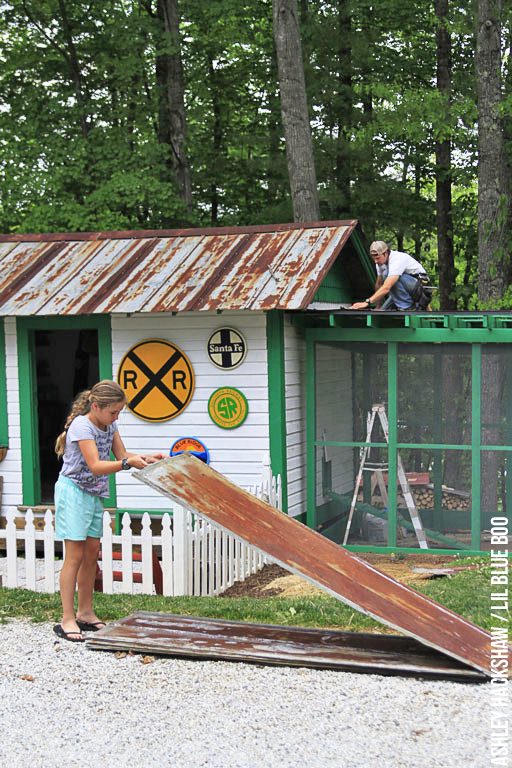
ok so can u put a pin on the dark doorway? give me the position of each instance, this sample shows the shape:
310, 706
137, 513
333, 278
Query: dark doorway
66, 363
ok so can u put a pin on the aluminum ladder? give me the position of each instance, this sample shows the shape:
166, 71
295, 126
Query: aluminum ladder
380, 410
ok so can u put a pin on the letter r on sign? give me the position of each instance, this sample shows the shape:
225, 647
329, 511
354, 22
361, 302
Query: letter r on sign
129, 377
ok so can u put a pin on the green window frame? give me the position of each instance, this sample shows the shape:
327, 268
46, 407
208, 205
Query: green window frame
4, 420
276, 399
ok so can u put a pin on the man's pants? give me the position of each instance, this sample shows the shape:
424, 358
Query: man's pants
399, 296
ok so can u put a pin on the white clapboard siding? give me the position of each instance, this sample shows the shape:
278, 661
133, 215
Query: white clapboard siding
235, 453
295, 404
195, 557
10, 468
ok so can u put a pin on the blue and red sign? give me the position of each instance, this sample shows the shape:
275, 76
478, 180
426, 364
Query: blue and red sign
190, 445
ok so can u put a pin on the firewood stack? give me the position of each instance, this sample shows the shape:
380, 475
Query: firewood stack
424, 498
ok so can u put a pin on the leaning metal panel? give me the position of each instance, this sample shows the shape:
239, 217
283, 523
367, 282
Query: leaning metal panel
189, 482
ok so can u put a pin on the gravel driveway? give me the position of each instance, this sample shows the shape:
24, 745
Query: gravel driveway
63, 704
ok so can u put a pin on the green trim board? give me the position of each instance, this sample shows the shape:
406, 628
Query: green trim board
414, 550
277, 399
411, 335
4, 421
25, 329
476, 459
486, 327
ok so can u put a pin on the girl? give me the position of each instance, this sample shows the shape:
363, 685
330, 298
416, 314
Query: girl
89, 435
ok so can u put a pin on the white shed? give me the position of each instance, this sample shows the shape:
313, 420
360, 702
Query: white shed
225, 301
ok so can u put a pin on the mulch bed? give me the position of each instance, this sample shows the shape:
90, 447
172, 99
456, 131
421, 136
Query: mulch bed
254, 586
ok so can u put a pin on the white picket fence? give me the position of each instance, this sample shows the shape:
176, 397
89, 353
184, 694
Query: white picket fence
194, 556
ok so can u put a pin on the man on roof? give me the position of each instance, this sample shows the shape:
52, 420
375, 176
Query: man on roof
402, 282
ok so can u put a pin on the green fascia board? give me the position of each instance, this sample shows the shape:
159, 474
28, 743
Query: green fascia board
25, 328
4, 421
277, 399
412, 335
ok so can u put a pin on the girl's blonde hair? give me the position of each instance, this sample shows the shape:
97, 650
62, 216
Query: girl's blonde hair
104, 393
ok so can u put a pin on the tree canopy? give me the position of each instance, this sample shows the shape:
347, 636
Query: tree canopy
91, 137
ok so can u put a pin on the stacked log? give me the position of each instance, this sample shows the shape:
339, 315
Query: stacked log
424, 498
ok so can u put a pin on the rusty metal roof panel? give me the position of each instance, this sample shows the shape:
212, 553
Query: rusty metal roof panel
5, 248
39, 290
88, 287
244, 278
14, 265
255, 268
190, 285
155, 274
278, 270
170, 634
304, 274
190, 482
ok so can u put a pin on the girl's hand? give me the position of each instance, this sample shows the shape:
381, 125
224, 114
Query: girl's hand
153, 458
137, 461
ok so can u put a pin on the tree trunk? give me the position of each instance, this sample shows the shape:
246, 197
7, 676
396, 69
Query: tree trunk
294, 111
444, 219
172, 124
217, 140
275, 132
493, 258
345, 93
492, 193
75, 69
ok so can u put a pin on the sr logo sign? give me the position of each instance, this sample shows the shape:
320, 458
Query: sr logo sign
228, 407
157, 378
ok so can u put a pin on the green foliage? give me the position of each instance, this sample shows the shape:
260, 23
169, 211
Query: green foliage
79, 114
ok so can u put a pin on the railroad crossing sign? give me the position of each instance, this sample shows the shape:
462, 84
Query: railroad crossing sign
157, 378
227, 348
228, 407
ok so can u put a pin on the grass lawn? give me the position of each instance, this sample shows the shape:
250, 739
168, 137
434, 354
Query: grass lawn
467, 593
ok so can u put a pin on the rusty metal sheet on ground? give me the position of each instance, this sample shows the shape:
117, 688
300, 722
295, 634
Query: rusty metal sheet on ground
196, 486
188, 636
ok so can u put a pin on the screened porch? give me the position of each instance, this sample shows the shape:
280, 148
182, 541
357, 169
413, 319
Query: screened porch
426, 401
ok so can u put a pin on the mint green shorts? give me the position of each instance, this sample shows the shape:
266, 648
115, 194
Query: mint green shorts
78, 514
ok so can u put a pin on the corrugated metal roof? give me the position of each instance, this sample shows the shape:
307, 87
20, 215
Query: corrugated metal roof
258, 268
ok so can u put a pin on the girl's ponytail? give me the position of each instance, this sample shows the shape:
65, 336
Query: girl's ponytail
104, 393
81, 405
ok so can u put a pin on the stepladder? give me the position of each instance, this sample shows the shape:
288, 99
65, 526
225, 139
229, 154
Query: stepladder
377, 470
